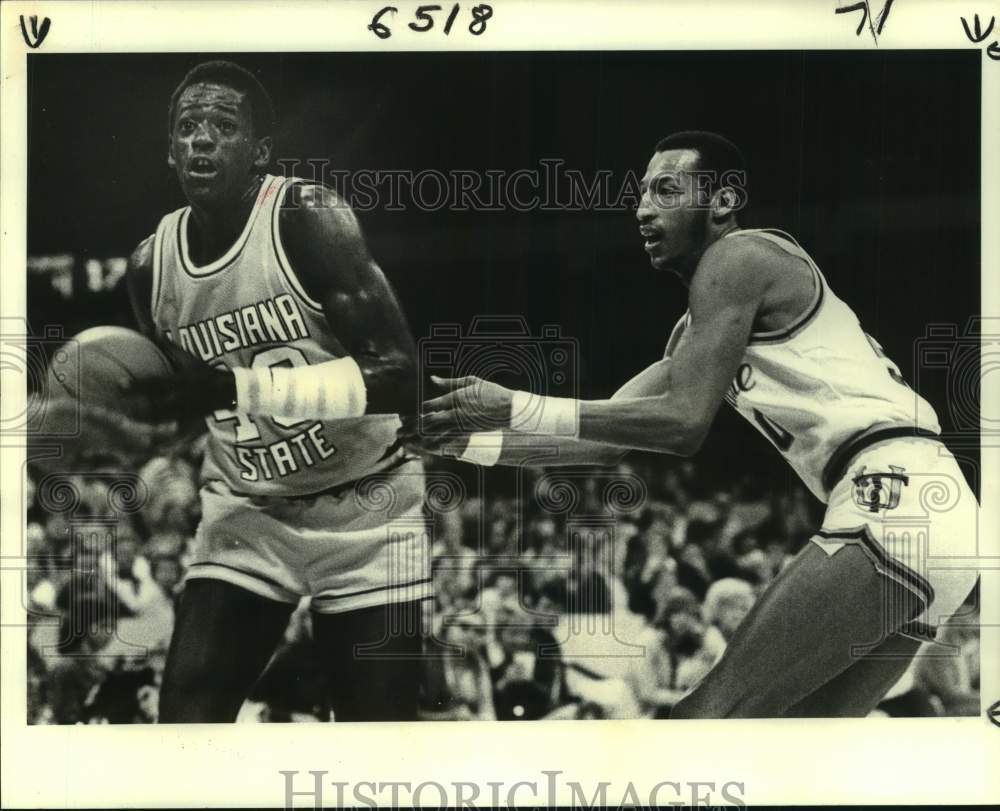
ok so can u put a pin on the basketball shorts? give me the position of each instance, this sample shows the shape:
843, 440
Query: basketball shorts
360, 545
906, 503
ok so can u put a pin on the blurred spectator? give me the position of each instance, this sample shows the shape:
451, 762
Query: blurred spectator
948, 669
727, 604
685, 629
528, 674
173, 496
77, 670
457, 685
652, 677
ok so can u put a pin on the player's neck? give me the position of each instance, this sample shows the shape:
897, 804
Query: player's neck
687, 268
212, 231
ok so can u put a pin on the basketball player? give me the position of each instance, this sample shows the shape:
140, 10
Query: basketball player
295, 344
764, 332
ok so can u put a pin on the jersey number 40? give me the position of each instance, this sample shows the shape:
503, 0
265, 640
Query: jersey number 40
245, 426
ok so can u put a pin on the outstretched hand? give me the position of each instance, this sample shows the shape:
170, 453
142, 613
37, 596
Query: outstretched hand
469, 404
451, 443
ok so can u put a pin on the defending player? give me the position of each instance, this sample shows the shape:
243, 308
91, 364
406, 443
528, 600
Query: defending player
299, 339
764, 332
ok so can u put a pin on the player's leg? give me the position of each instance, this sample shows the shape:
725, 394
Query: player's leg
373, 656
223, 638
810, 625
857, 691
367, 556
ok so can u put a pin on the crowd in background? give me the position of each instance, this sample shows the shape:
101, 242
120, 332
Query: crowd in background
595, 593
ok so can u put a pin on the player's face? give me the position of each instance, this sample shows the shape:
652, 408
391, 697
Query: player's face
672, 211
212, 145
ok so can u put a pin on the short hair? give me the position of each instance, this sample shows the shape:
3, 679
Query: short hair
723, 591
716, 154
238, 78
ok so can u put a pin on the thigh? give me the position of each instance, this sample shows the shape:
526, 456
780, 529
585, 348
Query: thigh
223, 638
819, 617
373, 656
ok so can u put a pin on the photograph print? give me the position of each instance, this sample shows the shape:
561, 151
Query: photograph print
505, 386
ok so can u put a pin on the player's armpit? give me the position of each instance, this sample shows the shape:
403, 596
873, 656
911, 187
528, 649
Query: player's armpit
325, 246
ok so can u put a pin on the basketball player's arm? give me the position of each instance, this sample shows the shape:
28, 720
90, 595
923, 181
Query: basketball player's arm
139, 282
327, 251
726, 293
523, 449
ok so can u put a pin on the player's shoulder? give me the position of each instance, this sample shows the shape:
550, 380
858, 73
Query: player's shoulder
315, 225
141, 259
745, 249
312, 196
740, 267
313, 210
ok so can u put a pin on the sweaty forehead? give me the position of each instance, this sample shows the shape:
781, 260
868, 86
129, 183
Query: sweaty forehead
209, 94
675, 161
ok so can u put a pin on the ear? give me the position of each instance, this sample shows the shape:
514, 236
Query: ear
724, 203
262, 153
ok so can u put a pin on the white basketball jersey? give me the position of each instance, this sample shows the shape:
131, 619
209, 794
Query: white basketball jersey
819, 383
248, 309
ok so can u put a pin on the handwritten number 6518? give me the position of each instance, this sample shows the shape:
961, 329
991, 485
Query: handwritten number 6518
423, 19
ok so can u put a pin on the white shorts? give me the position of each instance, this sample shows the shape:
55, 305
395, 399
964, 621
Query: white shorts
907, 504
364, 544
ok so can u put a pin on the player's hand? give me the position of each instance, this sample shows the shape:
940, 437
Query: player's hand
471, 404
191, 393
445, 444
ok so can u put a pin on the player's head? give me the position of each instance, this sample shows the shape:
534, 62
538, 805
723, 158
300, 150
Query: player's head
693, 186
220, 120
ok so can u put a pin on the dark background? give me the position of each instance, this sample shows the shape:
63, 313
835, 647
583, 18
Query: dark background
870, 159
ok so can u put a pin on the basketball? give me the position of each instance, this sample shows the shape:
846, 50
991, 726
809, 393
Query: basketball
97, 366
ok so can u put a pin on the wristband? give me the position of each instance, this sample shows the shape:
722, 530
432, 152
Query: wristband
535, 414
334, 389
484, 448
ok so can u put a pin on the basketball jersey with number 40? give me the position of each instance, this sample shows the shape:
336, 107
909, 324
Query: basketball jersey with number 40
819, 382
248, 309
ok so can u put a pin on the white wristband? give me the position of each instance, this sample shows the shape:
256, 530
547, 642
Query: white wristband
535, 414
484, 448
331, 390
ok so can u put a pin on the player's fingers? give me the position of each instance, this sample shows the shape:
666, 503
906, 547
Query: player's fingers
452, 383
441, 403
431, 423
439, 424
